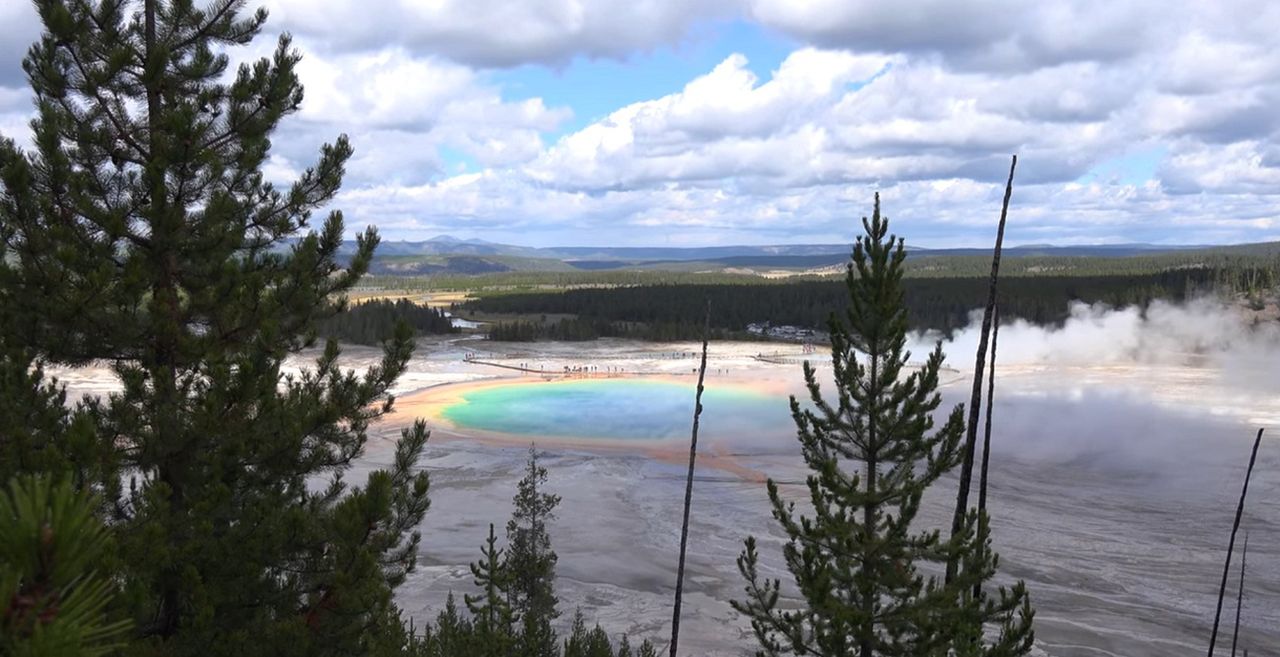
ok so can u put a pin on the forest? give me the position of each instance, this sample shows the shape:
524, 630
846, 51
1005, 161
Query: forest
374, 321
932, 303
576, 329
1261, 261
659, 305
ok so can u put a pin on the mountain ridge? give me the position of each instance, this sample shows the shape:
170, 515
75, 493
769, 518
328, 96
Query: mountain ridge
449, 245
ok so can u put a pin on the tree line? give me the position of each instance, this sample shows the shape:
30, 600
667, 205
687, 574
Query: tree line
1259, 258
578, 329
374, 322
942, 304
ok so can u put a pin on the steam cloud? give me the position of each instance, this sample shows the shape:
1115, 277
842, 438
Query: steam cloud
1203, 331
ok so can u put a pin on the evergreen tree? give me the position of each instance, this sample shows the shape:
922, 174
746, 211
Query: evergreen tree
872, 454
451, 636
141, 232
54, 598
513, 612
646, 649
491, 610
374, 322
531, 562
586, 643
38, 432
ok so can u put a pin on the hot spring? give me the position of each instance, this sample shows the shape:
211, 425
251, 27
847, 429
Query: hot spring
620, 410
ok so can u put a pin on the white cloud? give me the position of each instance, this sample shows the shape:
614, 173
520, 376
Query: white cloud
401, 110
1237, 168
722, 124
21, 27
827, 117
1012, 35
922, 100
501, 32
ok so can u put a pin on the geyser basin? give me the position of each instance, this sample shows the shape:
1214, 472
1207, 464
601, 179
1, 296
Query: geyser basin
619, 409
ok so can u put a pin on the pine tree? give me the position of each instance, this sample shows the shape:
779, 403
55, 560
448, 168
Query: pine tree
531, 562
38, 432
646, 649
54, 597
586, 643
140, 232
490, 610
451, 636
872, 454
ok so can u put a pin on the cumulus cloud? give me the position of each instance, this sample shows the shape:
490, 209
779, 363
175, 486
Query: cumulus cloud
923, 102
1008, 35
15, 113
723, 124
21, 27
500, 33
404, 111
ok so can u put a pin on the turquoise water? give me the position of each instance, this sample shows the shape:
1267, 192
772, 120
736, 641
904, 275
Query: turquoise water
620, 409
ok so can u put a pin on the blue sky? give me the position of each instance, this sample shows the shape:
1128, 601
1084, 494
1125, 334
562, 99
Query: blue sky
594, 87
609, 122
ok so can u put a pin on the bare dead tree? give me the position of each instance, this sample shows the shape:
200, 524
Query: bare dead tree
986, 437
688, 484
1231, 544
975, 402
1244, 560
991, 401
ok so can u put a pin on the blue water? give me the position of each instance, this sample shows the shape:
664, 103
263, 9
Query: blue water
621, 409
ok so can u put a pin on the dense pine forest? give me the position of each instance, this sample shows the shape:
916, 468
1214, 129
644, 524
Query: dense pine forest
374, 322
932, 303
658, 305
572, 329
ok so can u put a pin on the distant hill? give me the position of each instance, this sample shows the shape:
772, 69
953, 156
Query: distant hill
445, 255
695, 253
448, 245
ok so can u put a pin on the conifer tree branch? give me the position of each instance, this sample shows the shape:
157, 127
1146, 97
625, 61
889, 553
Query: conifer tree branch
129, 236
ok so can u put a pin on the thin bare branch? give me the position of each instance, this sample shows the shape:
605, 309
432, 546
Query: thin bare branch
1231, 544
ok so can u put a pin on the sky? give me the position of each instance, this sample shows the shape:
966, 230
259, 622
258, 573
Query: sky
680, 123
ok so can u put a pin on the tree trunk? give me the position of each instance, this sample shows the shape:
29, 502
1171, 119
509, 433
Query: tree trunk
161, 362
869, 514
991, 397
1244, 557
971, 436
688, 484
986, 434
1231, 544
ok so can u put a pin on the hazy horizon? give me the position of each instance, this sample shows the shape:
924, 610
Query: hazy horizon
977, 244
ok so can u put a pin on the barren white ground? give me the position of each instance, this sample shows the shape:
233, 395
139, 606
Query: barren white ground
1114, 478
